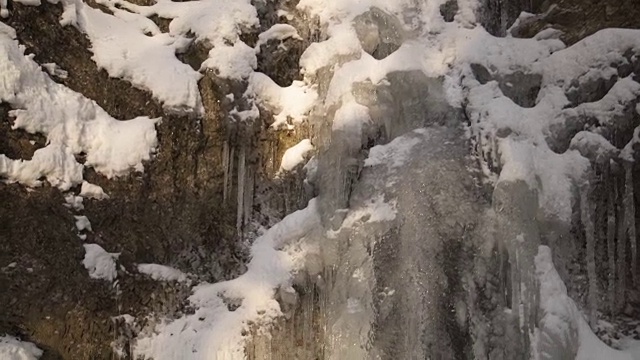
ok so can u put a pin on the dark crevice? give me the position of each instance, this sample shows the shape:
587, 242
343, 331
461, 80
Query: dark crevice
449, 10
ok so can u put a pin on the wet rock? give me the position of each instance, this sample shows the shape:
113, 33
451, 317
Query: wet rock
522, 88
577, 19
448, 10
380, 33
172, 214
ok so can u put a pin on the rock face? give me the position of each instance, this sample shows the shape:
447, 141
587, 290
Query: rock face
173, 214
577, 19
215, 180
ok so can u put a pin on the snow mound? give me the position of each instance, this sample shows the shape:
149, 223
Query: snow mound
235, 61
101, 264
277, 32
295, 155
290, 104
92, 191
13, 349
82, 223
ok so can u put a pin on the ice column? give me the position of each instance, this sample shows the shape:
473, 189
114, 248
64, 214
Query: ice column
227, 173
630, 220
586, 211
611, 234
241, 178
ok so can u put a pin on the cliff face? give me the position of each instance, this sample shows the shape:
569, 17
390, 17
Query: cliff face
174, 213
216, 178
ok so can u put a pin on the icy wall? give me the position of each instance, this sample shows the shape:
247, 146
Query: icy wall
320, 179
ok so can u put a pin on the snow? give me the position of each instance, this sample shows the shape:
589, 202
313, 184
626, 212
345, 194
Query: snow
13, 349
7, 30
295, 155
343, 44
99, 263
55, 70
277, 32
162, 273
512, 140
589, 59
339, 11
351, 118
123, 50
214, 331
593, 146
629, 150
82, 223
212, 20
217, 23
606, 110
375, 210
562, 319
289, 104
92, 191
554, 176
72, 124
54, 162
4, 12
235, 61
393, 154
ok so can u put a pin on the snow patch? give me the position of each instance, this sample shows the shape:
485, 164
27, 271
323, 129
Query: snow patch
82, 223
376, 210
162, 273
101, 264
72, 124
92, 191
13, 349
277, 32
124, 51
214, 331
393, 154
235, 61
55, 70
295, 155
291, 104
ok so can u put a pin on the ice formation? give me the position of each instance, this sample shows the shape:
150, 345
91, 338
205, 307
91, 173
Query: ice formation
539, 148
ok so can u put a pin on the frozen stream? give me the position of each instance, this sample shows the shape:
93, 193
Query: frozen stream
404, 247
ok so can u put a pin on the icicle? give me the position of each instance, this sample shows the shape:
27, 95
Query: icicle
586, 213
227, 174
630, 220
622, 260
241, 178
4, 11
611, 233
231, 165
248, 197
